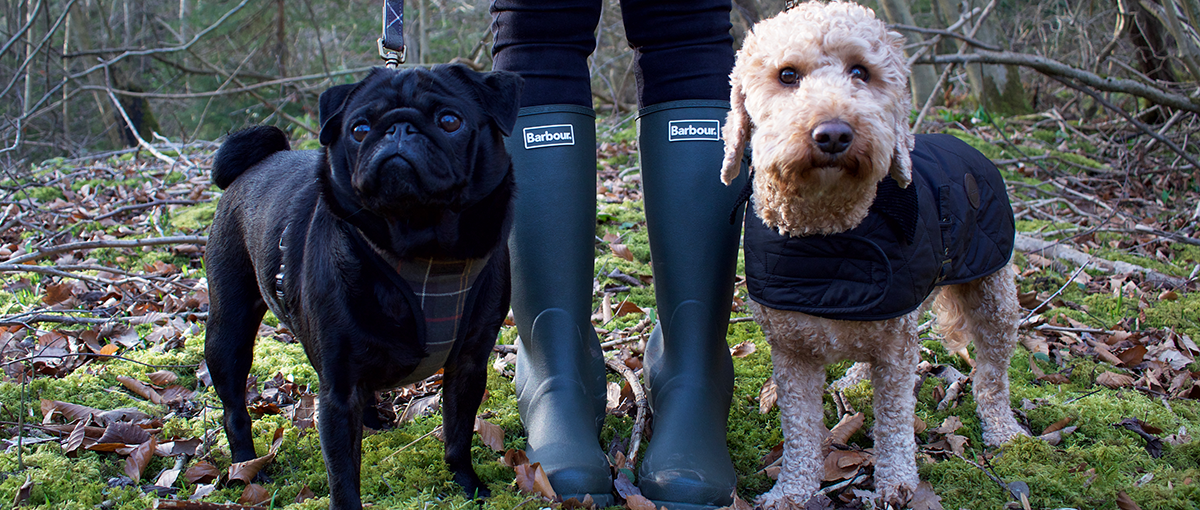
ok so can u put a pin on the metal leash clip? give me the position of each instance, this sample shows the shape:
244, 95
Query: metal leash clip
391, 45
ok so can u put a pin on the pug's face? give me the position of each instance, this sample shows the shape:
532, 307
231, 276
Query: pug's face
406, 144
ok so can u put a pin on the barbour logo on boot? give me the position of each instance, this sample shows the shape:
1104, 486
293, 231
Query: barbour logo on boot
690, 130
549, 136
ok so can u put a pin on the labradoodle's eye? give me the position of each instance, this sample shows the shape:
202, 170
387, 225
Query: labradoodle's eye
789, 76
360, 130
449, 122
860, 73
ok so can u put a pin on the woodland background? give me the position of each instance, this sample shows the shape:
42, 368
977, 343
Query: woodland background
110, 110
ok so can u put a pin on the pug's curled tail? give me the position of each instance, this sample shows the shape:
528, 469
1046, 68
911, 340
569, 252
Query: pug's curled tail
244, 149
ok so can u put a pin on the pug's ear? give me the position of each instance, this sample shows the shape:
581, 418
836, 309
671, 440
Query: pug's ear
332, 102
499, 93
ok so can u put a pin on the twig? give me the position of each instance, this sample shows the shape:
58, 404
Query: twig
133, 129
146, 205
946, 33
639, 401
1056, 293
94, 355
91, 245
1132, 120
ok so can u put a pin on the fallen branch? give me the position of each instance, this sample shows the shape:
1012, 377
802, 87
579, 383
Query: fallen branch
1052, 67
639, 401
1052, 249
112, 243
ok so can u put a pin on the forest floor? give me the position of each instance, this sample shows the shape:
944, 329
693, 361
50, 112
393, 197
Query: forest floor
103, 301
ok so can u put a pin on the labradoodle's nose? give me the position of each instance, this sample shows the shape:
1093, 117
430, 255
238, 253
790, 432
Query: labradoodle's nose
833, 137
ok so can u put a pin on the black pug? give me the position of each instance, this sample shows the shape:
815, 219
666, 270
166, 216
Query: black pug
384, 252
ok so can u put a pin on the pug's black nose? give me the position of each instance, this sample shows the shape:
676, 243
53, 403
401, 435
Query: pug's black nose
833, 137
402, 130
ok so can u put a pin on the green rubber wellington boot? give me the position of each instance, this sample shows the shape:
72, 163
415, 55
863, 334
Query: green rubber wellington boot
560, 381
693, 249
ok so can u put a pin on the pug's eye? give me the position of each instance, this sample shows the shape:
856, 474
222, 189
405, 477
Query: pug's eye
789, 76
449, 122
360, 130
860, 73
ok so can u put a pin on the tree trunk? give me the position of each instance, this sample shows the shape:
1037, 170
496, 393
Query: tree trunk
997, 89
924, 78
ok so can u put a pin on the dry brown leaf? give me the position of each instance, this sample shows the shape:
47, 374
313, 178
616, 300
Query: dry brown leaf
162, 377
1103, 353
957, 443
621, 250
202, 472
1132, 356
69, 411
24, 492
1124, 502
768, 396
639, 502
168, 477
139, 458
772, 456
949, 425
739, 503
846, 427
532, 478
627, 307
140, 389
246, 471
1036, 343
109, 350
305, 494
75, 440
924, 498
56, 294
513, 458
1054, 438
123, 433
743, 349
254, 494
1058, 425
491, 434
178, 447
305, 412
1114, 380
1034, 368
842, 464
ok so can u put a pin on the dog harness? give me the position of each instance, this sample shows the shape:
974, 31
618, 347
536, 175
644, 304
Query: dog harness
953, 224
438, 292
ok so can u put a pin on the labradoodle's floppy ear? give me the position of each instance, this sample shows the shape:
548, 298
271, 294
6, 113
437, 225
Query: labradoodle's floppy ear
736, 131
901, 168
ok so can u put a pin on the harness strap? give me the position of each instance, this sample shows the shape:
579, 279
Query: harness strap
391, 44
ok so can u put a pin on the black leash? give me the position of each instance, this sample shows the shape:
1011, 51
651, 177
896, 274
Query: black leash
391, 45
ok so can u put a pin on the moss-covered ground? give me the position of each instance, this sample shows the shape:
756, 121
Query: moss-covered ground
402, 467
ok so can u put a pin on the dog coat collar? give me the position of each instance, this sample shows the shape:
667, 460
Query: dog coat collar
953, 224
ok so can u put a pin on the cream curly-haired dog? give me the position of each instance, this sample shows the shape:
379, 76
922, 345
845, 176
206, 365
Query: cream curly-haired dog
860, 227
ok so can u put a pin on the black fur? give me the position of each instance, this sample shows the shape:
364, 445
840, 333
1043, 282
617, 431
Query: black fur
409, 188
245, 149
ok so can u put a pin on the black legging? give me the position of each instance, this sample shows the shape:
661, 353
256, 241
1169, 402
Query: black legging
683, 48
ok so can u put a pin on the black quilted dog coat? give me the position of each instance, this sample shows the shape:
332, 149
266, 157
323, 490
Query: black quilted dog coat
953, 224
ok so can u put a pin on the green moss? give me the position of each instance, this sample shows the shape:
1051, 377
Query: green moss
42, 194
195, 217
